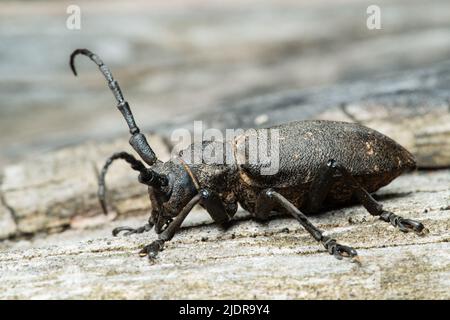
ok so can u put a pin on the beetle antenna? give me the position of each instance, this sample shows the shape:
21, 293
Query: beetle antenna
146, 176
137, 140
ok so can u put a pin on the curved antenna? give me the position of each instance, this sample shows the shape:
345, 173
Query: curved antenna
137, 140
146, 176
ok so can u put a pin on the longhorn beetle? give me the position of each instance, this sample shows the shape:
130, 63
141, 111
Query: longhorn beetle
322, 164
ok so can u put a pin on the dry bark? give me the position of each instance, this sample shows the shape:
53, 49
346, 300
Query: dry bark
54, 191
278, 259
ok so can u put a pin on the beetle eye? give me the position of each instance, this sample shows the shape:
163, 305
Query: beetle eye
166, 190
164, 193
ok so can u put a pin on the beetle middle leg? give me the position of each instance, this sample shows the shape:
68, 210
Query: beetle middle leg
216, 209
321, 187
269, 199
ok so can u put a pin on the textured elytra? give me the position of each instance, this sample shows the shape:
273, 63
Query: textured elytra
306, 146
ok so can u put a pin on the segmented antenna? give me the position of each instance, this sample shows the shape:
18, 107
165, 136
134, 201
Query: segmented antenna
137, 140
147, 176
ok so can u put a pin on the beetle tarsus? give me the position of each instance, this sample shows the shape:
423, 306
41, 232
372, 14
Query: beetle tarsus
268, 200
151, 250
129, 231
339, 251
405, 225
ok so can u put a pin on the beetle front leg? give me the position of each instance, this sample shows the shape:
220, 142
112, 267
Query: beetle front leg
215, 207
269, 199
156, 246
322, 184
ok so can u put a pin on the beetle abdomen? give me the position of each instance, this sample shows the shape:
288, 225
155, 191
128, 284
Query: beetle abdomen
305, 146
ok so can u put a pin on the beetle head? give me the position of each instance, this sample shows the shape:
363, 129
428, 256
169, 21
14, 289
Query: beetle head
169, 198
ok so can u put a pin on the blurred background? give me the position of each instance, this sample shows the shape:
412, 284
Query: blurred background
173, 58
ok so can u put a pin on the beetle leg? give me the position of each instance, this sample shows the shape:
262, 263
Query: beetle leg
321, 186
145, 228
338, 250
156, 246
264, 206
403, 224
215, 207
269, 199
376, 209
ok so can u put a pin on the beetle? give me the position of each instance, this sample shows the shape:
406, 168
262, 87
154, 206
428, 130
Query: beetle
322, 164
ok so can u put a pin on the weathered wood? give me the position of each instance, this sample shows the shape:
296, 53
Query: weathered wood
53, 191
250, 260
7, 224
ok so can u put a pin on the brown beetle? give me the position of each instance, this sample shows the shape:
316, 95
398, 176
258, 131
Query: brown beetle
322, 164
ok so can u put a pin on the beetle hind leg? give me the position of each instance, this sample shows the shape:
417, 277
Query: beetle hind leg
128, 230
321, 187
269, 199
405, 225
338, 250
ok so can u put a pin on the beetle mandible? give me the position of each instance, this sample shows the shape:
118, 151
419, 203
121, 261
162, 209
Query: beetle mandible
322, 164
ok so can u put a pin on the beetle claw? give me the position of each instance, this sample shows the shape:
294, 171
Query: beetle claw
405, 225
151, 250
339, 251
342, 251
